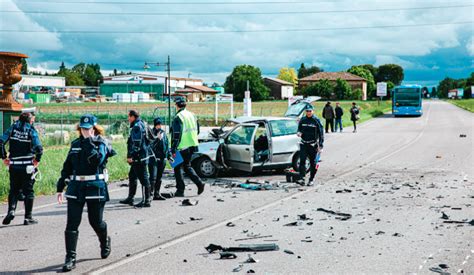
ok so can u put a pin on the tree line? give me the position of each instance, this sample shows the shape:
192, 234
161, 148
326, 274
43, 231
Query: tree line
236, 82
450, 83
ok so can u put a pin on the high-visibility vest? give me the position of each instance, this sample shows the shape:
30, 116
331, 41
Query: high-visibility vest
189, 134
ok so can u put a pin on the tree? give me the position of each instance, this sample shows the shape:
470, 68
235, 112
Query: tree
342, 89
79, 68
304, 72
72, 78
236, 83
323, 88
364, 73
62, 68
288, 75
390, 72
445, 85
433, 92
24, 66
92, 75
467, 88
371, 68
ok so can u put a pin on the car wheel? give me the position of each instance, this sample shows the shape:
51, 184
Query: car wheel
205, 168
296, 163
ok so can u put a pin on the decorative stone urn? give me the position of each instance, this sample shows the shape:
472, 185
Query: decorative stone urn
10, 68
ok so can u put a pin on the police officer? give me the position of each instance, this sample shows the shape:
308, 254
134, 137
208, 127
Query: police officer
85, 174
311, 132
137, 157
160, 152
185, 130
24, 156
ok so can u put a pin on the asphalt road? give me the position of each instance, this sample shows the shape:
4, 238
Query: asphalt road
401, 174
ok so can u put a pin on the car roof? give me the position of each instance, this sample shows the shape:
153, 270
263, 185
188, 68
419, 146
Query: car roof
244, 119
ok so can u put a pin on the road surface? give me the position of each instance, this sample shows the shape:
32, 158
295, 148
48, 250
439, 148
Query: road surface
400, 175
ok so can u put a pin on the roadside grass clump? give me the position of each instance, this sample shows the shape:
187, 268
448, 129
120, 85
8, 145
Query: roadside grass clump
466, 104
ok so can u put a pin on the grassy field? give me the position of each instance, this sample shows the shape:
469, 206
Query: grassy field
55, 155
467, 104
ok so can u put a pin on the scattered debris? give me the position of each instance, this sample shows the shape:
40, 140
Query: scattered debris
344, 191
179, 222
303, 217
220, 200
379, 233
293, 224
397, 235
238, 269
195, 219
228, 255
444, 216
169, 195
250, 260
138, 222
185, 261
461, 222
188, 202
243, 248
253, 238
288, 251
342, 216
462, 135
230, 224
439, 270
124, 185
250, 271
438, 157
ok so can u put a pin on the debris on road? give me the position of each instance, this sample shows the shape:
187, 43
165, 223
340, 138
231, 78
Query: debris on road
293, 224
238, 269
250, 260
288, 251
344, 191
230, 224
379, 233
220, 200
253, 238
243, 248
444, 216
188, 202
303, 217
342, 216
195, 219
462, 135
397, 235
461, 222
228, 255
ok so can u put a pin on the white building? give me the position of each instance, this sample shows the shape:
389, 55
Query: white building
39, 81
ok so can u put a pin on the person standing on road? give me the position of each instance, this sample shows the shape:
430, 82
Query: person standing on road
354, 115
339, 113
311, 132
85, 174
137, 157
23, 159
328, 115
160, 150
185, 130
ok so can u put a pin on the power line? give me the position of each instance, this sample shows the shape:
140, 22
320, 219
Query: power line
235, 31
169, 3
236, 13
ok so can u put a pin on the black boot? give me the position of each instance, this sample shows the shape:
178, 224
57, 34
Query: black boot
28, 209
105, 243
132, 189
146, 201
12, 200
71, 244
157, 195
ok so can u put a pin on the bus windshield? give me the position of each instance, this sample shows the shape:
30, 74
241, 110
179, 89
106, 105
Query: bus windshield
407, 97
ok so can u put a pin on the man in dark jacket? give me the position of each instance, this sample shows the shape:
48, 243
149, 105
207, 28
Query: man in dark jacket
328, 115
311, 132
24, 156
159, 149
137, 157
339, 114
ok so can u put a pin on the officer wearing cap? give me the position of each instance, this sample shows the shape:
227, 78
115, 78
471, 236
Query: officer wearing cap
311, 132
185, 130
85, 174
137, 157
159, 149
24, 156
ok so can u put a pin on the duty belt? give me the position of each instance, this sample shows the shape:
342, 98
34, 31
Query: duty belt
88, 178
20, 162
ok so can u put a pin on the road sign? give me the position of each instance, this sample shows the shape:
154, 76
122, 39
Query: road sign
381, 89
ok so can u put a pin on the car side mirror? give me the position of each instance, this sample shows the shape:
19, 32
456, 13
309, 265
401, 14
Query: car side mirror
221, 141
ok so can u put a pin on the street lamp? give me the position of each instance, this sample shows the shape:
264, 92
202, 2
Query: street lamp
168, 80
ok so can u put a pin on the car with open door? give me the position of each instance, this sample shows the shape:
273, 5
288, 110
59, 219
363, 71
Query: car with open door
258, 144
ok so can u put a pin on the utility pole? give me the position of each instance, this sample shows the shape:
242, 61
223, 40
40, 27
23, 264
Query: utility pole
166, 64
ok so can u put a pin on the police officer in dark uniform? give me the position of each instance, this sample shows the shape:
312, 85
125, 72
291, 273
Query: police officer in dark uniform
185, 130
24, 156
311, 132
85, 174
159, 149
137, 157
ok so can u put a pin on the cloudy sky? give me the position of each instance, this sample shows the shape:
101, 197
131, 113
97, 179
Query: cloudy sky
207, 38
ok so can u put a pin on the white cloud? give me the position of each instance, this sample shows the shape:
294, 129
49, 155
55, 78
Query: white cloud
470, 46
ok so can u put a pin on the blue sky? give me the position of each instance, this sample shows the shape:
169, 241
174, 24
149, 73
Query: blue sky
206, 49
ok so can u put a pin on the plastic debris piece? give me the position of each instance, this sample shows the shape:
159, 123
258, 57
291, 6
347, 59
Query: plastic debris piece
230, 224
293, 224
303, 217
251, 260
288, 251
238, 268
444, 216
250, 271
342, 216
228, 255
195, 219
243, 248
188, 202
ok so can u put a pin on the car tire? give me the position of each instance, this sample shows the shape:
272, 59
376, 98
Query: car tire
296, 161
205, 167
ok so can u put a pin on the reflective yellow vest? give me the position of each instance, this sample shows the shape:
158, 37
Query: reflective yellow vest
189, 134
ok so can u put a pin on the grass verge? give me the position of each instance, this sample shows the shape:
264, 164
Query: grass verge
466, 104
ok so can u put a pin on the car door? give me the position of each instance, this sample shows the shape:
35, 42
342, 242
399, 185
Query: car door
238, 147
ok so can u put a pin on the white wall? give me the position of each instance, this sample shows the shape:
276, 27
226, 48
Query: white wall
286, 92
40, 81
